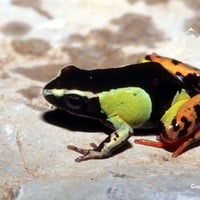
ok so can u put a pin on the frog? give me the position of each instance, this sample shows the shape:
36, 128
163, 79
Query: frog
181, 121
124, 98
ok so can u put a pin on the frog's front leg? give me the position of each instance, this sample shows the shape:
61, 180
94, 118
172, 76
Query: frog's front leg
111, 143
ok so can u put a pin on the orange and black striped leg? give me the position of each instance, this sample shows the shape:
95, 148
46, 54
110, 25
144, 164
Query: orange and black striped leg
191, 140
158, 144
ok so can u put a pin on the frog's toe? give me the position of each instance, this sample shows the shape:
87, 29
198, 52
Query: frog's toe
82, 158
93, 145
78, 150
87, 154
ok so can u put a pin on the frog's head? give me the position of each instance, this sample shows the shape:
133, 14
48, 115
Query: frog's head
68, 92
71, 77
98, 80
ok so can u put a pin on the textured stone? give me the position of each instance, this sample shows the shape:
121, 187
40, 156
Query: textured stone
37, 38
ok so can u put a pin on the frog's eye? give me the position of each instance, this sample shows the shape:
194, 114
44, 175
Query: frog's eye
74, 101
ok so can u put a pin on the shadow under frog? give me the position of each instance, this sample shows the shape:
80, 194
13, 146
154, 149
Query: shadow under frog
71, 122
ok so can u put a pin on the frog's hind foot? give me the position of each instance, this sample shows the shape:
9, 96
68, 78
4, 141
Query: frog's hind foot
87, 154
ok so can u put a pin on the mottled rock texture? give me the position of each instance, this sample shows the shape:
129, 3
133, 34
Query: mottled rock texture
36, 39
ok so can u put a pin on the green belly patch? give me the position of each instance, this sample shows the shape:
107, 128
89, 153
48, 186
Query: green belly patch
132, 104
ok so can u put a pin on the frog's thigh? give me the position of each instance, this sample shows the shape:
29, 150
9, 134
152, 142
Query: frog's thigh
187, 143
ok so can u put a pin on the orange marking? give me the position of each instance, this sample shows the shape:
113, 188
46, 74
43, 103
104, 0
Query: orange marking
174, 66
188, 111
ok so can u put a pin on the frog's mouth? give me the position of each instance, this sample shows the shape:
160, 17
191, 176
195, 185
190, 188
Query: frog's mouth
52, 99
76, 104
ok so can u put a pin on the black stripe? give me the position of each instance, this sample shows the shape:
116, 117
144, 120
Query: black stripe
187, 124
148, 57
175, 62
175, 125
197, 110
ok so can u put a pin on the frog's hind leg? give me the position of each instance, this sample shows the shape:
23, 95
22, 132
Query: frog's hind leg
194, 138
106, 148
180, 146
146, 142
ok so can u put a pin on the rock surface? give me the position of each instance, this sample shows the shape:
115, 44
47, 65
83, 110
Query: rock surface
36, 39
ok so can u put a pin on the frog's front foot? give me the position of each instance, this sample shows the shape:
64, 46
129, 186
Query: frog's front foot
88, 153
106, 148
